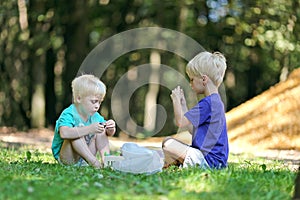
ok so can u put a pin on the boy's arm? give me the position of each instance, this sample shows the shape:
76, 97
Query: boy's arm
77, 132
180, 107
180, 119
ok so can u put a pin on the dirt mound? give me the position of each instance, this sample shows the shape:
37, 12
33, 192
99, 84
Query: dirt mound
271, 120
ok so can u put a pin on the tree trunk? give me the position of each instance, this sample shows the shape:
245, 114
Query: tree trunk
76, 37
38, 94
50, 90
37, 71
151, 96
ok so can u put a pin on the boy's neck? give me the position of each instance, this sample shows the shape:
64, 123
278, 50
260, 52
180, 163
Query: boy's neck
210, 89
210, 93
82, 115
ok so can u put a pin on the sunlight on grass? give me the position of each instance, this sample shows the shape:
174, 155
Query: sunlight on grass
199, 181
30, 174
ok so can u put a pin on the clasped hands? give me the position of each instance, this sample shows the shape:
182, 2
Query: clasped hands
177, 96
100, 128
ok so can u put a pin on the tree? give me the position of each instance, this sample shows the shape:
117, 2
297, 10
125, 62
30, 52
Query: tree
43, 44
260, 41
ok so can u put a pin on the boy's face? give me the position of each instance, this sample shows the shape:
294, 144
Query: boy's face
196, 83
90, 104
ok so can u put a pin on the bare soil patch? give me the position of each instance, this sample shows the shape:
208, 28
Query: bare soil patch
271, 120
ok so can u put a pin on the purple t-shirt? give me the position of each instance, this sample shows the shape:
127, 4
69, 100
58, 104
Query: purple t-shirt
210, 131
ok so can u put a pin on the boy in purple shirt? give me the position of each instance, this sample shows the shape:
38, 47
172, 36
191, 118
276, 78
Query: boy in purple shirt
205, 121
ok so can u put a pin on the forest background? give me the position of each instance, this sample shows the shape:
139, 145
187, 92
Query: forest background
43, 43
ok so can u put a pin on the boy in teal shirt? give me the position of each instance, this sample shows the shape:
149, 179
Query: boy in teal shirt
80, 131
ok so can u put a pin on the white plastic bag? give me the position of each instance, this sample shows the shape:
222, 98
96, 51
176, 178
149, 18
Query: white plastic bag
138, 160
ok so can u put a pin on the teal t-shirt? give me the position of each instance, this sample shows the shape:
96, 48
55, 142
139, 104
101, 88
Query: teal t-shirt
70, 117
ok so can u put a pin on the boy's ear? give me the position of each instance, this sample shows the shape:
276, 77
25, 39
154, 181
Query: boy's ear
78, 99
205, 80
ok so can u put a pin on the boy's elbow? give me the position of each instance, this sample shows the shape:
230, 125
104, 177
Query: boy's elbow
179, 124
63, 132
62, 135
183, 122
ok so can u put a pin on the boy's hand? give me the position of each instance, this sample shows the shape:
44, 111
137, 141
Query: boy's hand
97, 128
110, 127
178, 96
110, 124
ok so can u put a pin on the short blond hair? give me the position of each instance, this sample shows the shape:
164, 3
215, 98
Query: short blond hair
86, 85
212, 65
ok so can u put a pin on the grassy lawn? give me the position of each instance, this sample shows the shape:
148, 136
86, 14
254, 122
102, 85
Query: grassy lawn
30, 174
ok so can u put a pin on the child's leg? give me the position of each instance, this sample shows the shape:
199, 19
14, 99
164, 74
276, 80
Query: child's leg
73, 149
92, 146
83, 150
67, 154
102, 145
174, 151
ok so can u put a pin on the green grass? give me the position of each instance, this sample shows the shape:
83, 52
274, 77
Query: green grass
30, 174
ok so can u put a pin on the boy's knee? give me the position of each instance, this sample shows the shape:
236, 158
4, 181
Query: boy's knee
77, 142
102, 138
167, 141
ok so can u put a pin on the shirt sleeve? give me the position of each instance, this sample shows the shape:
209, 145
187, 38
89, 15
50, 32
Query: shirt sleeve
199, 113
65, 119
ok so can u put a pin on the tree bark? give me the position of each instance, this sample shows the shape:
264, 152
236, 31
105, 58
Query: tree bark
76, 38
151, 96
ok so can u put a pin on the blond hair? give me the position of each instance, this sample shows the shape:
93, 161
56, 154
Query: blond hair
86, 85
212, 65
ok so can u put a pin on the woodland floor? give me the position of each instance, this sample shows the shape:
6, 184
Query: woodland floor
266, 126
41, 140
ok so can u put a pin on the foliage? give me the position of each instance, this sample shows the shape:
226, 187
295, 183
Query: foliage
27, 174
42, 45
266, 35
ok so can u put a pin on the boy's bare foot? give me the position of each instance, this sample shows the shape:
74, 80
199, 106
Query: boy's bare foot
96, 164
